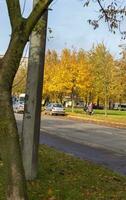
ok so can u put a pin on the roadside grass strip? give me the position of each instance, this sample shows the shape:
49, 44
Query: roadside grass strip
63, 177
114, 117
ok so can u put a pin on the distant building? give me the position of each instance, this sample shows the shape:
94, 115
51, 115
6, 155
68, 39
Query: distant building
78, 102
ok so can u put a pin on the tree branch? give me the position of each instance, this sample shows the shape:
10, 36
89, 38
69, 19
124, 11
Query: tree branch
36, 14
103, 10
14, 11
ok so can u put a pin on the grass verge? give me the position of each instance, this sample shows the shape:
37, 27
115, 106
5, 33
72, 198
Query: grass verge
113, 116
63, 177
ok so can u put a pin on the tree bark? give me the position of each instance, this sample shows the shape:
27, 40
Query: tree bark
10, 150
9, 139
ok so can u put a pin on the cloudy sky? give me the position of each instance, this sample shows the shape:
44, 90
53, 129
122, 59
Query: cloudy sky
68, 21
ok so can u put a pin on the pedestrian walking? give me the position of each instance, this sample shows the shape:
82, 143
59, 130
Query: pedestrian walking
90, 108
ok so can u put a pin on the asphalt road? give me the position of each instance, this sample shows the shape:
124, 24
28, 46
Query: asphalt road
98, 143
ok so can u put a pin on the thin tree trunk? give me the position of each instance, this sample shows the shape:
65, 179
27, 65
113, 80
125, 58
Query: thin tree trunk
105, 100
98, 102
72, 99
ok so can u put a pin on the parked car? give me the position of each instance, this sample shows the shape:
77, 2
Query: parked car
55, 109
18, 106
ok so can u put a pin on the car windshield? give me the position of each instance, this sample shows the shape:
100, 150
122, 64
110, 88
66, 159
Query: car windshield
58, 105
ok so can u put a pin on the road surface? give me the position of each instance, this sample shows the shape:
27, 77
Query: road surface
98, 143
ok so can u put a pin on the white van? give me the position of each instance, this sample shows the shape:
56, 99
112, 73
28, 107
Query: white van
118, 106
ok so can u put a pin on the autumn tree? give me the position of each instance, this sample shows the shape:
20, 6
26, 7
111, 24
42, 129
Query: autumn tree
51, 86
119, 87
102, 66
69, 68
9, 140
94, 76
68, 75
84, 77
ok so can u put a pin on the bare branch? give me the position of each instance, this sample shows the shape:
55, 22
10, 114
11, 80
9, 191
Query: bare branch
14, 11
113, 12
103, 10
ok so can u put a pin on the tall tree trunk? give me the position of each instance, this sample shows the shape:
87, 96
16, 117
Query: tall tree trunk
9, 140
10, 150
98, 102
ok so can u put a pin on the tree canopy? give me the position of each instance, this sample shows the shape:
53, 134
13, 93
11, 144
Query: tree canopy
94, 75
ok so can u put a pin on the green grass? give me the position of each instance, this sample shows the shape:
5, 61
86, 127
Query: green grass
63, 177
111, 112
113, 116
100, 112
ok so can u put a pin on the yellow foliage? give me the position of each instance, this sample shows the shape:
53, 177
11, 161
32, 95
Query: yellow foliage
92, 74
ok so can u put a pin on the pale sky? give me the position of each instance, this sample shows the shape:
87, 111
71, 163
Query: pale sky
68, 21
